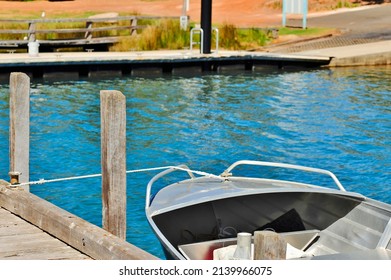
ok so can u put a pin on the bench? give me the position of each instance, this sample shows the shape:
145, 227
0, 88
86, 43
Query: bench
364, 228
99, 31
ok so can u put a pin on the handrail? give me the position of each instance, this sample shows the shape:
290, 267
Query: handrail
201, 32
228, 173
90, 19
160, 175
216, 30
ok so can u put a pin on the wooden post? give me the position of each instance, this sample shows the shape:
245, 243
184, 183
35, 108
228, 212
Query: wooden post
133, 26
269, 245
88, 34
113, 145
19, 140
32, 29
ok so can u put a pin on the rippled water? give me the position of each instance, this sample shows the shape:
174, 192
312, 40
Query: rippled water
336, 119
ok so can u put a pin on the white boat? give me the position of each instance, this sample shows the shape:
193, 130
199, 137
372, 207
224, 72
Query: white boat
194, 217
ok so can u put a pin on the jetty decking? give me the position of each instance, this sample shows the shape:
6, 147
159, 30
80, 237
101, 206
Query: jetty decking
20, 239
85, 63
33, 228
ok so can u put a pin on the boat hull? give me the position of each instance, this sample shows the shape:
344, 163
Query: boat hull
203, 214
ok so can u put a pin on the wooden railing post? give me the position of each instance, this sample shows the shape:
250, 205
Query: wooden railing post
133, 26
31, 36
88, 34
113, 146
19, 140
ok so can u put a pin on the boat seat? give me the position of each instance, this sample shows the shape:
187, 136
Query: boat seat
385, 239
362, 228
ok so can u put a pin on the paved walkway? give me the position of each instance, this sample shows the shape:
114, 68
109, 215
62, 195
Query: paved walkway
369, 54
364, 40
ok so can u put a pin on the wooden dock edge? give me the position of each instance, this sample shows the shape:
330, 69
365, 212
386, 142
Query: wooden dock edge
76, 232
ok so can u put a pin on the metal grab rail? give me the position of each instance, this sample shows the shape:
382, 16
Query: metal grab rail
228, 173
201, 31
161, 174
216, 30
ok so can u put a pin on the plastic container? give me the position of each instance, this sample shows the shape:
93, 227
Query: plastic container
243, 247
33, 48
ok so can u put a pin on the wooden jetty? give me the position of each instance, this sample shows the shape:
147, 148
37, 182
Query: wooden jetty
86, 64
33, 228
20, 239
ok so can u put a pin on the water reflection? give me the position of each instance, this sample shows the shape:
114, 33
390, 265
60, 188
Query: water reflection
337, 119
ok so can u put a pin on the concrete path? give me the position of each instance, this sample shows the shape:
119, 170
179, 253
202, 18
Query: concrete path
365, 37
370, 54
372, 21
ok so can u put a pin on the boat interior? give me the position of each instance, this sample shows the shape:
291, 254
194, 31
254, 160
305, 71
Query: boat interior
316, 223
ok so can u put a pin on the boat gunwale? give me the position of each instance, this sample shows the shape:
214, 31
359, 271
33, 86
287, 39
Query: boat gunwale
245, 191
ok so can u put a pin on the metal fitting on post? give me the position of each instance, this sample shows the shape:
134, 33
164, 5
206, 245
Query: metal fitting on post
14, 175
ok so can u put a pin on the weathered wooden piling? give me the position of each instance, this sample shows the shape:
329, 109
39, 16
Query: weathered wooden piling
19, 139
113, 149
269, 245
89, 239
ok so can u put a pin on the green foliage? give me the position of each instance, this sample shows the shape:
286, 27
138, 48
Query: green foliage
303, 32
346, 4
232, 38
229, 37
163, 34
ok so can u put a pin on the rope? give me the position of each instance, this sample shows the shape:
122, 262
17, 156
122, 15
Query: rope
44, 181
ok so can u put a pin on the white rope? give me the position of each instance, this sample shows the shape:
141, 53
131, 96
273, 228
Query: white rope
44, 181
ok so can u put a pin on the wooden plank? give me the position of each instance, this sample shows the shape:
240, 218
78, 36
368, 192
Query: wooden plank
113, 151
72, 30
104, 19
43, 254
14, 31
101, 40
72, 230
33, 240
16, 228
22, 240
19, 139
269, 245
13, 42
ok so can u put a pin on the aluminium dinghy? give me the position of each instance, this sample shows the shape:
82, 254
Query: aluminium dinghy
194, 217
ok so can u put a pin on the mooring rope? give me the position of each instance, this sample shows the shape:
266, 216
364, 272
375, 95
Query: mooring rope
44, 181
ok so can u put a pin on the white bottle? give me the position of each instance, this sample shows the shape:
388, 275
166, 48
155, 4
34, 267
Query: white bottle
243, 247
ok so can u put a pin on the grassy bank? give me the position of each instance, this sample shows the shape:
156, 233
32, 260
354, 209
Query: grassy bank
167, 34
164, 34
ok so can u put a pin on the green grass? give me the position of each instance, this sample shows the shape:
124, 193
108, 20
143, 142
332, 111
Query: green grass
304, 32
346, 4
167, 34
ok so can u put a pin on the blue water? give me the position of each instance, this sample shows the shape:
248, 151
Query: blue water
336, 119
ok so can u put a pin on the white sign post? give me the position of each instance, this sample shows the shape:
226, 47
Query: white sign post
295, 7
184, 18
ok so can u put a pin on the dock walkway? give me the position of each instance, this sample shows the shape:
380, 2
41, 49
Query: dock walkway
33, 228
21, 240
87, 64
167, 61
